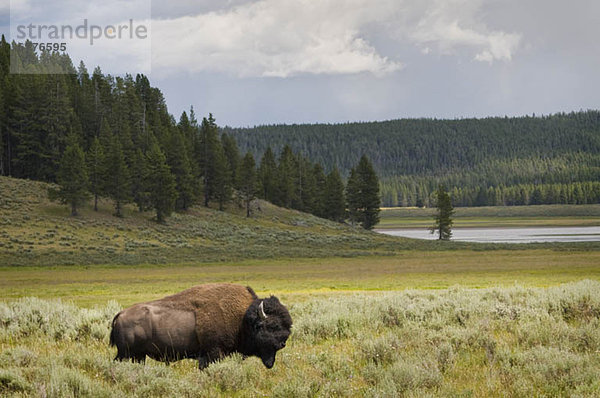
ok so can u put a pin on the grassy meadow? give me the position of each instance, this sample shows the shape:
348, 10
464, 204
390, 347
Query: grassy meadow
488, 342
290, 278
37, 232
374, 315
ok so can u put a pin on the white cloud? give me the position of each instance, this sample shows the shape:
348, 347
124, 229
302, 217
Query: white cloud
287, 37
290, 37
445, 25
274, 38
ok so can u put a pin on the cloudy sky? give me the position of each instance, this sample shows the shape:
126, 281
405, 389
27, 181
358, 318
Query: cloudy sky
300, 61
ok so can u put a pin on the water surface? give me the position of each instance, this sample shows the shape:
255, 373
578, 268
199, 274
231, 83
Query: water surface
507, 235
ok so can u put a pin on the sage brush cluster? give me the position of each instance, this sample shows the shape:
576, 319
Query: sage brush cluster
473, 342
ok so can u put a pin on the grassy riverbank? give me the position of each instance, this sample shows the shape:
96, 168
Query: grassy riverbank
496, 216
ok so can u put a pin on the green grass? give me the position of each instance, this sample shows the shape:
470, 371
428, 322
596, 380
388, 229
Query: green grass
490, 342
497, 216
88, 285
373, 315
34, 231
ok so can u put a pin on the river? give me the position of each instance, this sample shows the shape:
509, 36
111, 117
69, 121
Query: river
507, 235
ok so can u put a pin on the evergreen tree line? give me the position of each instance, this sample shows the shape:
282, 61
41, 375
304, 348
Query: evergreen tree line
422, 146
423, 195
500, 183
98, 135
294, 182
414, 156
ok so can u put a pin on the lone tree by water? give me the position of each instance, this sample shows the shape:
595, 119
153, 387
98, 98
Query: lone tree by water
443, 216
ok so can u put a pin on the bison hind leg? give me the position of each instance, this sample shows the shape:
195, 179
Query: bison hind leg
121, 355
203, 362
139, 358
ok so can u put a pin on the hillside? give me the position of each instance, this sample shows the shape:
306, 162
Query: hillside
35, 231
412, 156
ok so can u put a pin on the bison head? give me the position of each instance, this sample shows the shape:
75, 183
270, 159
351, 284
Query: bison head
267, 325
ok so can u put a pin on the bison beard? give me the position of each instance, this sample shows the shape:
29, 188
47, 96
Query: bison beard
206, 322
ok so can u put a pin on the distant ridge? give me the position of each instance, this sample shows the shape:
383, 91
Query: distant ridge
416, 154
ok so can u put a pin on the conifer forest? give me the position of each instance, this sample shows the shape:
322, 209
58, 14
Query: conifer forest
131, 143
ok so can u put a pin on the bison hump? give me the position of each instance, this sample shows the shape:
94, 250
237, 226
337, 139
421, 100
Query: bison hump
219, 309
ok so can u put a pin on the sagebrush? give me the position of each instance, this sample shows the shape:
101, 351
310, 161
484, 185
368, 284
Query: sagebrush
488, 342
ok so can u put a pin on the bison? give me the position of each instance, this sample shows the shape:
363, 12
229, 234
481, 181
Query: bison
205, 322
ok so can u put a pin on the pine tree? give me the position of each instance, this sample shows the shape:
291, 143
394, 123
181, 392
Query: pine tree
335, 202
482, 197
536, 197
72, 178
319, 207
267, 176
287, 181
306, 186
443, 217
181, 168
247, 181
117, 182
363, 194
353, 198
211, 160
232, 155
95, 160
160, 183
84, 104
139, 189
221, 181
3, 101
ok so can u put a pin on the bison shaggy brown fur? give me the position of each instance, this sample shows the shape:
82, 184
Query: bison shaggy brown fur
205, 322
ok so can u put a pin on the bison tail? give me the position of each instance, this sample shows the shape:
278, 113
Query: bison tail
252, 293
113, 332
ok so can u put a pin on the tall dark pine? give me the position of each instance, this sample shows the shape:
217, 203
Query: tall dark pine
72, 178
139, 189
287, 179
211, 159
267, 176
84, 104
232, 155
160, 183
117, 182
335, 201
247, 181
443, 216
306, 186
319, 206
353, 193
4, 103
181, 168
1, 139
95, 161
3, 74
222, 184
363, 194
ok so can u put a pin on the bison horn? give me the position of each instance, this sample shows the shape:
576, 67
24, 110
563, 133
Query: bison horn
261, 310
